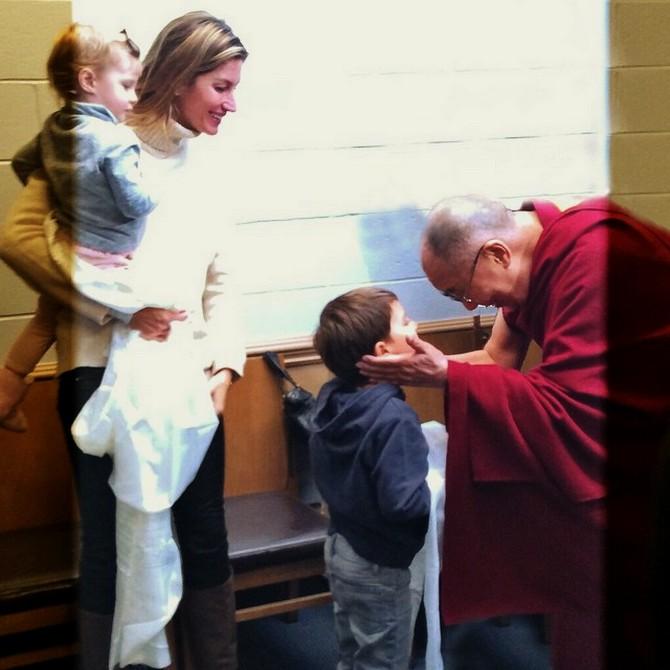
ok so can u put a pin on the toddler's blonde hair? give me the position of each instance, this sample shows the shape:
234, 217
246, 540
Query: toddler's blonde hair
79, 46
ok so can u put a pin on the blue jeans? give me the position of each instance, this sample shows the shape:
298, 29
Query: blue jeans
372, 605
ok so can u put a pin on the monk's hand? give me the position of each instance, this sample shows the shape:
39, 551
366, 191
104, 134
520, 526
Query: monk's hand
219, 383
154, 323
426, 365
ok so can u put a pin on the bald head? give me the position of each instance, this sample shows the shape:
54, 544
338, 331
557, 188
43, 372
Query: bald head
458, 226
467, 233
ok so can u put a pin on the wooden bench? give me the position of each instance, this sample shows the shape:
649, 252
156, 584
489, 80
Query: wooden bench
275, 539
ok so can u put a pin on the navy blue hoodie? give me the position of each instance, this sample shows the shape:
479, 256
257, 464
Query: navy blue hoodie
370, 461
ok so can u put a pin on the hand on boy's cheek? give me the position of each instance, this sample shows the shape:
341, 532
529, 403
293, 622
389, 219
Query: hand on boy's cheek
401, 348
397, 355
424, 365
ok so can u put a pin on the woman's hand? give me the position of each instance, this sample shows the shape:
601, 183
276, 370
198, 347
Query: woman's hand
425, 366
154, 322
219, 383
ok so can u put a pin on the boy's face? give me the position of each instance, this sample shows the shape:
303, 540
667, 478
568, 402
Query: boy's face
401, 327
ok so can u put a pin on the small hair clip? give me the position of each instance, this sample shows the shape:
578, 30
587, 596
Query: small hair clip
132, 46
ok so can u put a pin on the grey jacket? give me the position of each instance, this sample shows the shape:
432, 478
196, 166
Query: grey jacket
92, 164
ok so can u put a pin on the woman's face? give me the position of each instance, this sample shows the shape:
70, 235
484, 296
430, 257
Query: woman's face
202, 105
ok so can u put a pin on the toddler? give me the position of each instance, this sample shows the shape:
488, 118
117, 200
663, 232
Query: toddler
91, 162
370, 461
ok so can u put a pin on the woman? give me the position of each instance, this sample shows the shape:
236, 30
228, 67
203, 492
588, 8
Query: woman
186, 88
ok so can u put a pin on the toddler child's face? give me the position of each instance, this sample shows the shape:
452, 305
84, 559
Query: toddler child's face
401, 327
115, 84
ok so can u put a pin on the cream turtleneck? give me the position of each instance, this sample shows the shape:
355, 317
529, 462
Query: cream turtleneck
164, 140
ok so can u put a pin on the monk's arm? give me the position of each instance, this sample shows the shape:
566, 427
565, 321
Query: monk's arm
505, 347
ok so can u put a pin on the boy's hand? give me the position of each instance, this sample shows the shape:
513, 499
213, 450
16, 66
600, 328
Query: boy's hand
154, 322
425, 366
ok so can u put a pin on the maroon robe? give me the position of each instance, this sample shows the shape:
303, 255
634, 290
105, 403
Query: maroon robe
532, 456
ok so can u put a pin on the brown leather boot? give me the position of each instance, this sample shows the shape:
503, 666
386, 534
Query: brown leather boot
208, 632
13, 389
95, 638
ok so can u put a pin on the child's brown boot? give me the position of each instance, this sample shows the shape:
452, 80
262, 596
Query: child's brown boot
13, 388
15, 421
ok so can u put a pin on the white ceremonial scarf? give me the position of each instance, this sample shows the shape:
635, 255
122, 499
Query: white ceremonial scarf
425, 569
153, 414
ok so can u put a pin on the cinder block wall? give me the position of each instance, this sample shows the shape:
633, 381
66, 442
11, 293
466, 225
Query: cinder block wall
639, 118
640, 106
27, 29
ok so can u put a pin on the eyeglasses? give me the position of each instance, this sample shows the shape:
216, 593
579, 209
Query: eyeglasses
464, 297
132, 46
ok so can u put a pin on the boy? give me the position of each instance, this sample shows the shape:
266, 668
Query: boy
369, 458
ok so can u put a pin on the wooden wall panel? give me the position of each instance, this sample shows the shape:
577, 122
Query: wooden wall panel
256, 457
35, 476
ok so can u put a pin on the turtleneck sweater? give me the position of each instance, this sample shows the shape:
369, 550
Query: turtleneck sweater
164, 141
185, 256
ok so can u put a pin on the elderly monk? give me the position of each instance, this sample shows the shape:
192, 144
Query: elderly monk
551, 474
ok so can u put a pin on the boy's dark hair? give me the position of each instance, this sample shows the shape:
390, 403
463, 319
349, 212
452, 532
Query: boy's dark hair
350, 326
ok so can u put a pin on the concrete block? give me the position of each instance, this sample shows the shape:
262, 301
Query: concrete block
27, 31
640, 99
638, 33
652, 206
640, 163
21, 118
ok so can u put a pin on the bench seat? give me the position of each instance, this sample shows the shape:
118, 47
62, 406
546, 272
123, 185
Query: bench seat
273, 538
272, 527
37, 594
36, 560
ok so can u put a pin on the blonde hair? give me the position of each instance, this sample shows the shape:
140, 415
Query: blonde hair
187, 47
79, 46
